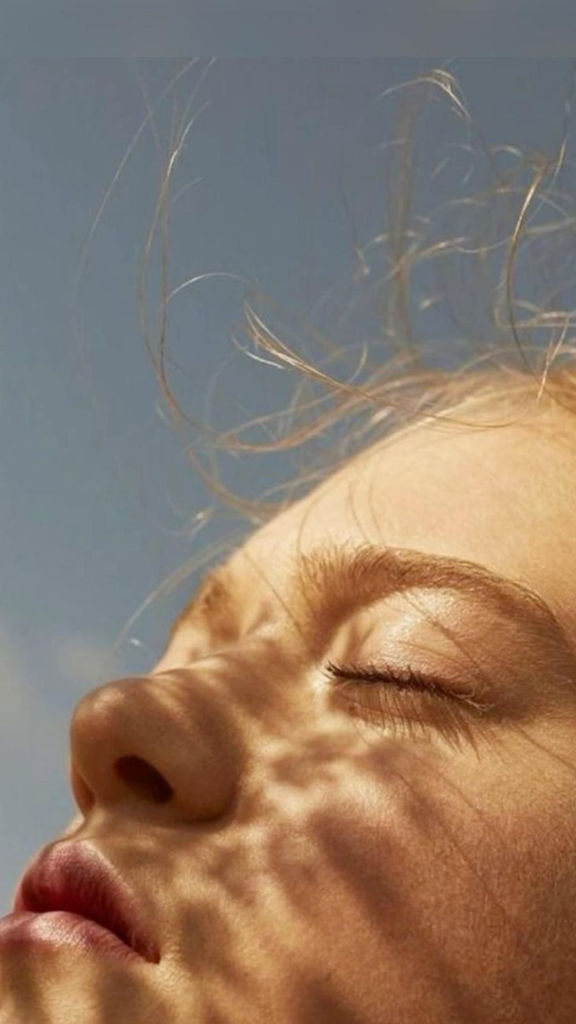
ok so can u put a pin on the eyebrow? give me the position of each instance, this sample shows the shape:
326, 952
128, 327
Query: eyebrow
329, 580
333, 577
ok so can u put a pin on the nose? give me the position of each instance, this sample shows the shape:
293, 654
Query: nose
170, 745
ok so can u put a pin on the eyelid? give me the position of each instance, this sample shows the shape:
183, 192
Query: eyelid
414, 714
337, 578
407, 678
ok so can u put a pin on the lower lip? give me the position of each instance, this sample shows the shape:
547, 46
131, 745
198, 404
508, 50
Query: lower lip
55, 928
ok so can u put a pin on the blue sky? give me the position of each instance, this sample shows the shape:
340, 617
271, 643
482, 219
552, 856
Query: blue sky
287, 29
280, 172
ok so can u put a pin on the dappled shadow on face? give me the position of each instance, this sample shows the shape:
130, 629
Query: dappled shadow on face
350, 878
42, 987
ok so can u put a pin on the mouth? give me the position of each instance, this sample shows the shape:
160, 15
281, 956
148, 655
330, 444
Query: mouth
59, 928
76, 886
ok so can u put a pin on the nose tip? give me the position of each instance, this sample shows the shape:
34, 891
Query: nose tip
175, 746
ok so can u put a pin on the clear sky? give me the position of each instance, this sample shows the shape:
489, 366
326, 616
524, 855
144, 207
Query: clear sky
280, 176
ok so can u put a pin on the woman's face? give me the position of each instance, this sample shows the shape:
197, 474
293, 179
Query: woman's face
364, 854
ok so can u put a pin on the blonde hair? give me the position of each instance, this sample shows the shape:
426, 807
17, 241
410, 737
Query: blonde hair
521, 355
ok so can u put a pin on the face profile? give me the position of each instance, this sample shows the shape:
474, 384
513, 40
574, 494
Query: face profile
345, 792
328, 850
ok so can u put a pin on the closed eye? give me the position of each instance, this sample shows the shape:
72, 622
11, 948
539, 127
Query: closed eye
409, 704
405, 678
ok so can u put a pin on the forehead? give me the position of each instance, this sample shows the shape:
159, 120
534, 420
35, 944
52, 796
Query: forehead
501, 496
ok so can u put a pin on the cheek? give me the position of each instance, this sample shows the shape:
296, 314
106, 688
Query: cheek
395, 876
452, 851
500, 846
372, 855
384, 881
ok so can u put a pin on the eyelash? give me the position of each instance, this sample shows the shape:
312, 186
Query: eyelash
425, 700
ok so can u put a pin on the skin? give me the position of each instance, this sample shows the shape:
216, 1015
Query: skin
314, 864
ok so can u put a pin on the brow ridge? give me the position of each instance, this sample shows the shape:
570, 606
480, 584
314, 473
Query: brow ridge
330, 579
325, 577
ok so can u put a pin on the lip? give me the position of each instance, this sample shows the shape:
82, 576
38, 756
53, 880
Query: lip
76, 880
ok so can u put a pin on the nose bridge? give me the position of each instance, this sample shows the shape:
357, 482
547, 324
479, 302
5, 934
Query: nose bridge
178, 742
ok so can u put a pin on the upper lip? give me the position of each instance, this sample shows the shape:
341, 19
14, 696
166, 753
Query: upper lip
76, 877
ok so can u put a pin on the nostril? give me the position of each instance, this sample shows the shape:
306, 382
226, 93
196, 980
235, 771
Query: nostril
143, 777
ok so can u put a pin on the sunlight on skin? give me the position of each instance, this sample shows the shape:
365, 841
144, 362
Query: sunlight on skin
323, 861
